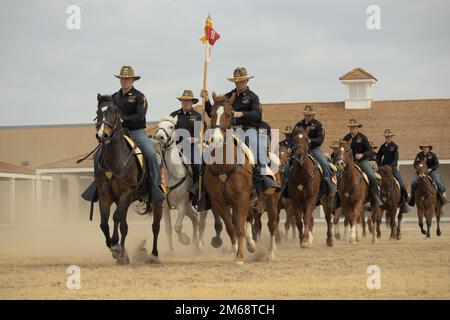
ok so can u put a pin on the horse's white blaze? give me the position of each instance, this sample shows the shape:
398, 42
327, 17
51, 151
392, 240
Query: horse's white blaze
217, 135
300, 136
101, 130
342, 149
104, 109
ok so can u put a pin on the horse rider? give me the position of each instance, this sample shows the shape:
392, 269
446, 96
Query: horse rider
133, 107
187, 117
287, 141
388, 155
362, 153
316, 136
335, 153
432, 163
248, 116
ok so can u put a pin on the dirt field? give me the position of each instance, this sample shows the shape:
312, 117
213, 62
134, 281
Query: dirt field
33, 263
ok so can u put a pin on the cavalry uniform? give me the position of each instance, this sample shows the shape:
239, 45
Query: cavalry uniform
360, 144
316, 136
250, 122
432, 164
334, 155
133, 107
287, 141
187, 120
388, 155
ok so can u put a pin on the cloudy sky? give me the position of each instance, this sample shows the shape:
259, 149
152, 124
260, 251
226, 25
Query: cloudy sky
296, 50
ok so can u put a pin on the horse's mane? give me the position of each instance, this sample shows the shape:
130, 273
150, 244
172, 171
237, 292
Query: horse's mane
104, 98
169, 118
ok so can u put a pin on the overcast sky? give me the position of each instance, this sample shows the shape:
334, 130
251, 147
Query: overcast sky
296, 50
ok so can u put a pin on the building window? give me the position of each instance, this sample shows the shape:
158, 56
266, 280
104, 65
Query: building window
357, 91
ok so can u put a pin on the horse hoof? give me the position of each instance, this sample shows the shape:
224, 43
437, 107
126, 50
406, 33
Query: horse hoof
337, 236
378, 235
251, 246
123, 260
374, 240
330, 242
200, 247
306, 245
184, 239
239, 262
358, 238
116, 251
399, 236
271, 256
153, 259
352, 240
216, 242
438, 232
423, 232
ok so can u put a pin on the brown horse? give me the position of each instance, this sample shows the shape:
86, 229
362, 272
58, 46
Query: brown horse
285, 203
304, 189
390, 195
427, 202
120, 180
229, 185
353, 191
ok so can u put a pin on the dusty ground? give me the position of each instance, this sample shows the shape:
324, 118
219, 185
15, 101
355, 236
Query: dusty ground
33, 263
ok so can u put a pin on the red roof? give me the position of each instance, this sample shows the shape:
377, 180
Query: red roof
358, 74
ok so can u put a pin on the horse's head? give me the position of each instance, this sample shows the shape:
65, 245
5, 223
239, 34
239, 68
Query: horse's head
283, 153
345, 155
108, 118
422, 169
166, 130
301, 144
221, 118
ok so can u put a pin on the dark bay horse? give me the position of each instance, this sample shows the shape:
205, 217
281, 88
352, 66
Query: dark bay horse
120, 180
285, 203
353, 191
427, 202
229, 185
305, 192
390, 195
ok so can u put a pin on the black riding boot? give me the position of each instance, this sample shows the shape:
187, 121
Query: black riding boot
284, 187
204, 203
442, 198
404, 207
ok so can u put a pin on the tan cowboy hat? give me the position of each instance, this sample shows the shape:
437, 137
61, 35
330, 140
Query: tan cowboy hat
309, 110
240, 74
388, 133
373, 145
354, 123
288, 130
425, 144
127, 72
335, 145
188, 95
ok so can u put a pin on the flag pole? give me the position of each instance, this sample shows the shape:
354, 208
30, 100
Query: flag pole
205, 76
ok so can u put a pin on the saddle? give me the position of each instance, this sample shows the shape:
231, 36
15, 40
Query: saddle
332, 168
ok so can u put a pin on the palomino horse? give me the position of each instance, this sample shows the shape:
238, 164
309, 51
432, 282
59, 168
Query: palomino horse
120, 180
178, 175
229, 185
305, 182
353, 191
427, 202
285, 203
390, 195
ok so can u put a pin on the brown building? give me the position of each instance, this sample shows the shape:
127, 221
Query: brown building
53, 150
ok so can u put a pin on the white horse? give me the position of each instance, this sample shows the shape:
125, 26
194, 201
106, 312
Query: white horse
178, 175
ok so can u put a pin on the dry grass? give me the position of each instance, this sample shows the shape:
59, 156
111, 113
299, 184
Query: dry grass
33, 265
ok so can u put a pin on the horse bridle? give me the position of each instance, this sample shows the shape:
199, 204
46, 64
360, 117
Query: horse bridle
107, 123
169, 141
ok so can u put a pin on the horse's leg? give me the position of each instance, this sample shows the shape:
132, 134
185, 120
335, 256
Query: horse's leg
360, 220
420, 217
225, 214
278, 233
400, 217
429, 217
168, 226
353, 220
242, 227
392, 211
193, 216
105, 206
328, 218
157, 214
181, 211
337, 233
272, 213
290, 218
379, 217
438, 219
123, 210
307, 241
201, 229
363, 224
115, 247
257, 222
298, 221
216, 241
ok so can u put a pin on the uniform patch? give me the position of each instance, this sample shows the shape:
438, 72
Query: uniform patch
246, 100
131, 99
